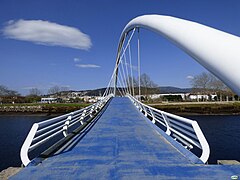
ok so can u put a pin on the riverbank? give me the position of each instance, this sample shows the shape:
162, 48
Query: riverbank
57, 108
181, 108
200, 108
6, 173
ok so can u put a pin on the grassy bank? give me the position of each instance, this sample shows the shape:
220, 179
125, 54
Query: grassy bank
191, 108
208, 108
41, 108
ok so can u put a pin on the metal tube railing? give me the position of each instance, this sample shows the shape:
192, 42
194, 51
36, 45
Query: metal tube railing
184, 130
44, 131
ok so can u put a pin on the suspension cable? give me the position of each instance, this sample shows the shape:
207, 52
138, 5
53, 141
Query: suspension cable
109, 84
131, 67
128, 82
139, 78
114, 74
122, 81
127, 88
124, 73
120, 92
129, 40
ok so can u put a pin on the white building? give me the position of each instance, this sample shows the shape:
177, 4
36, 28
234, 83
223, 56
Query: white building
155, 96
202, 96
48, 100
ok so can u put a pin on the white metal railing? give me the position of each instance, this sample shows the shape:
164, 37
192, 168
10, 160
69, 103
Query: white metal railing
42, 132
184, 130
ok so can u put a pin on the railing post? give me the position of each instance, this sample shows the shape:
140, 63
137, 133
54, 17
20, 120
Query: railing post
66, 124
168, 132
82, 116
145, 111
153, 120
137, 105
91, 111
98, 107
27, 143
204, 144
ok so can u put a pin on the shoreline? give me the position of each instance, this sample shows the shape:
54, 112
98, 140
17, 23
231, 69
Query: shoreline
10, 171
179, 108
30, 114
200, 108
39, 109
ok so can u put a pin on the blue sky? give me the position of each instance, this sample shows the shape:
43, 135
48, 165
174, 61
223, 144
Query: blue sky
85, 57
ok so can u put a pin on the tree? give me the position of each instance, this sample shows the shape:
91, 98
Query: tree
4, 91
131, 83
218, 87
146, 84
208, 83
201, 82
216, 84
54, 90
35, 92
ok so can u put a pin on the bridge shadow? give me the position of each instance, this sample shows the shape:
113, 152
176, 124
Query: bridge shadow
68, 143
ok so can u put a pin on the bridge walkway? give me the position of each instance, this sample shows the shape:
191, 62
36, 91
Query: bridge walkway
122, 144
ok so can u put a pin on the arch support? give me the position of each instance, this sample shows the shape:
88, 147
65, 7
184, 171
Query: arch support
217, 51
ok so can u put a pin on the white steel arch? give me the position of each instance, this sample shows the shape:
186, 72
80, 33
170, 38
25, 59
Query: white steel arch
217, 51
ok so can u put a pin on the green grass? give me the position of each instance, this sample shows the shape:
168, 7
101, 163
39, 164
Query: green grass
66, 105
49, 105
206, 108
44, 108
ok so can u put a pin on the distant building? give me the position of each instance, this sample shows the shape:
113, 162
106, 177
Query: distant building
187, 96
202, 96
91, 99
48, 100
155, 96
198, 96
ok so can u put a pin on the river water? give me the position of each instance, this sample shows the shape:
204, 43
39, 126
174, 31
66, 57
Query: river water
222, 133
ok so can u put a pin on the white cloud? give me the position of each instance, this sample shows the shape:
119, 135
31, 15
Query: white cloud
76, 60
47, 33
87, 66
190, 77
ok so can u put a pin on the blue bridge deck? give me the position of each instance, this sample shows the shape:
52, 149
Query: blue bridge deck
123, 144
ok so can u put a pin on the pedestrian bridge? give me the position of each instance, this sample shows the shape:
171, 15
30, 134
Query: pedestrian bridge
122, 143
119, 137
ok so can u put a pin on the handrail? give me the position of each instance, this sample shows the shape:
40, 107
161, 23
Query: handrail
42, 132
187, 132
